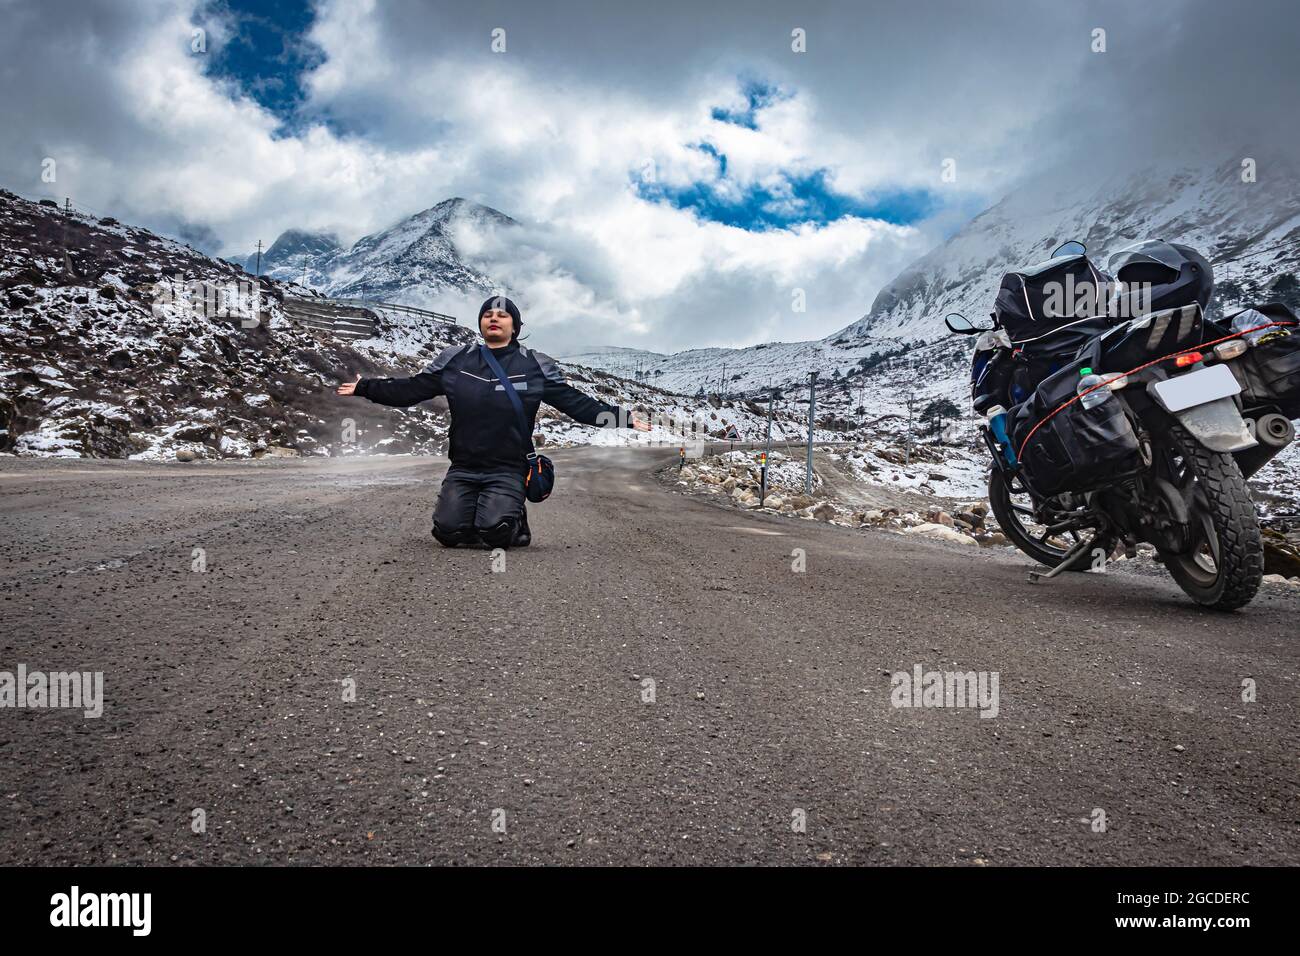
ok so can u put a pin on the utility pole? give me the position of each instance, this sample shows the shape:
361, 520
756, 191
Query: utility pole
812, 405
723, 390
258, 270
304, 274
771, 395
907, 457
63, 228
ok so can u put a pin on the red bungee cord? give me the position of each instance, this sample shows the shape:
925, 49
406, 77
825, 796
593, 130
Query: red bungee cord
1195, 348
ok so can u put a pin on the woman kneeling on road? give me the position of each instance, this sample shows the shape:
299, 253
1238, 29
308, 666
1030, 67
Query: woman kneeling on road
482, 496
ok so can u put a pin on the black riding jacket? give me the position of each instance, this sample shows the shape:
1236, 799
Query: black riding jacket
484, 431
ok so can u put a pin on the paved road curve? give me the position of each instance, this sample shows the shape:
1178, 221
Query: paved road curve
522, 692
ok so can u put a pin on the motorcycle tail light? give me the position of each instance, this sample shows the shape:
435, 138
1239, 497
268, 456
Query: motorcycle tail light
1188, 358
1230, 349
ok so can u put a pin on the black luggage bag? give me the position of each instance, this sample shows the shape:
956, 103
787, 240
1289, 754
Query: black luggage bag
1078, 448
1269, 372
1036, 303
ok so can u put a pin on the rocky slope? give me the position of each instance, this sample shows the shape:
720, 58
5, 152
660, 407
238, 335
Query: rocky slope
116, 342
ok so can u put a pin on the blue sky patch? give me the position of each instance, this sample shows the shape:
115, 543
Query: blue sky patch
268, 53
790, 200
758, 95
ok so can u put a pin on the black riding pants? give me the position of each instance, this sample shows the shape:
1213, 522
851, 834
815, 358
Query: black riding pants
475, 506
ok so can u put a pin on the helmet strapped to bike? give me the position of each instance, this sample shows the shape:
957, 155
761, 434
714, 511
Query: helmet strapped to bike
1155, 275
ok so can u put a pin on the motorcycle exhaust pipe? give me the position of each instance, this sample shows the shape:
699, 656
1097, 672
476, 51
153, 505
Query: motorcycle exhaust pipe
1273, 432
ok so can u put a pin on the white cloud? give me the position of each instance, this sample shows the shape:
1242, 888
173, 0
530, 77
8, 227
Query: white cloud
554, 131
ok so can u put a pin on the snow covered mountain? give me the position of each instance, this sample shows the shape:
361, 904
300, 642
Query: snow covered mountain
1251, 230
291, 252
1256, 225
411, 262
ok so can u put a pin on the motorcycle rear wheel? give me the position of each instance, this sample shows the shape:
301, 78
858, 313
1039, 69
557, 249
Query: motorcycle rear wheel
1224, 566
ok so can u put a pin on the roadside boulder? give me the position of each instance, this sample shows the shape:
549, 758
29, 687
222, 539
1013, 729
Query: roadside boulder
939, 516
1280, 555
195, 433
941, 532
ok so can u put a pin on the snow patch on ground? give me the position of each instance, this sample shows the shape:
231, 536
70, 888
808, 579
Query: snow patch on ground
959, 473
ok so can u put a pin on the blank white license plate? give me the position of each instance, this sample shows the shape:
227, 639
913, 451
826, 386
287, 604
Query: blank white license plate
1196, 388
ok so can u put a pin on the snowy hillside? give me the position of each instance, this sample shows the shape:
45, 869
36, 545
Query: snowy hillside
1210, 209
634, 364
116, 342
1251, 231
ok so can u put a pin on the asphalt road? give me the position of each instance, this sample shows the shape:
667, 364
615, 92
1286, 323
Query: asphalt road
518, 699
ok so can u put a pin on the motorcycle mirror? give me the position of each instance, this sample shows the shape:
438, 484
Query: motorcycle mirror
958, 324
1071, 248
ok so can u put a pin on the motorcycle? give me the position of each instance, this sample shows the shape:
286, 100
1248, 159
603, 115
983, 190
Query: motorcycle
1137, 429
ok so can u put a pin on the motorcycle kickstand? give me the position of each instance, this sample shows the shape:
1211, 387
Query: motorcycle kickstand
1038, 577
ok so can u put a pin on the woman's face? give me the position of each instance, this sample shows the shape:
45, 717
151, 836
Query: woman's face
496, 325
